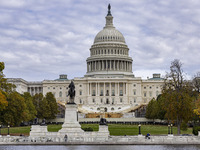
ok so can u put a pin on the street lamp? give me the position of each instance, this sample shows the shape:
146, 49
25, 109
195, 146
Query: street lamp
168, 129
8, 130
139, 129
0, 130
171, 129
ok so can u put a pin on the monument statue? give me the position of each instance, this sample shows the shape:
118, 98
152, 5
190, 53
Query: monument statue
109, 12
43, 122
71, 92
103, 121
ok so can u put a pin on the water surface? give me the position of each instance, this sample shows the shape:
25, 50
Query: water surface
103, 147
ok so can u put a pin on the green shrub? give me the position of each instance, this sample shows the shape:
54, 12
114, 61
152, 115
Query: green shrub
195, 130
87, 129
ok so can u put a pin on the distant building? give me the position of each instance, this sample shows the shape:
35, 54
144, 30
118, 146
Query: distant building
109, 81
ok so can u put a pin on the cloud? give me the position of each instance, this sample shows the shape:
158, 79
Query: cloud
42, 39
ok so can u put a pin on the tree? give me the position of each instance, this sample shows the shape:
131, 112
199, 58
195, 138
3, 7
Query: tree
46, 107
52, 104
37, 101
196, 82
4, 85
177, 95
3, 102
45, 110
31, 111
152, 110
15, 113
160, 106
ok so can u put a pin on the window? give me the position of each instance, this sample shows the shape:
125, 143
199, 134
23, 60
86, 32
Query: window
157, 93
80, 85
93, 92
107, 93
150, 94
48, 87
145, 94
101, 100
121, 85
93, 100
120, 93
107, 101
134, 92
101, 93
113, 92
80, 101
60, 94
121, 100
80, 92
145, 87
54, 88
134, 100
134, 85
113, 101
60, 88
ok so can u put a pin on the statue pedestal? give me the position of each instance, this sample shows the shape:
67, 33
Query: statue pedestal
71, 123
38, 131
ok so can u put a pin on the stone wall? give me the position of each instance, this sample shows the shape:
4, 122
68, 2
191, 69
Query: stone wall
91, 139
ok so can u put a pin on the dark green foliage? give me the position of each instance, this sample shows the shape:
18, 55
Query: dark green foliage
31, 111
46, 106
155, 109
87, 129
52, 105
37, 101
184, 126
152, 110
16, 111
195, 130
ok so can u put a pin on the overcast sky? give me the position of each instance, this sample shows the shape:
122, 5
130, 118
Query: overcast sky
40, 39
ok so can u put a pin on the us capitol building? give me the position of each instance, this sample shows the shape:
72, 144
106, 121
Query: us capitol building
109, 82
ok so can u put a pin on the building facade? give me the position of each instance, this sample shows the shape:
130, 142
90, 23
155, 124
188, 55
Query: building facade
109, 82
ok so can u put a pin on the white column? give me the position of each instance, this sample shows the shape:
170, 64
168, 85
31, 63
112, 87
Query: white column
106, 65
110, 65
104, 89
126, 89
114, 65
118, 89
88, 89
96, 90
95, 65
110, 90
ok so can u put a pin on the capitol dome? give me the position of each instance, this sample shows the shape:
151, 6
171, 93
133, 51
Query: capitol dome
109, 34
109, 54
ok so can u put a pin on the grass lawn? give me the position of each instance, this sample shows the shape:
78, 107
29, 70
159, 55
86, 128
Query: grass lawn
115, 129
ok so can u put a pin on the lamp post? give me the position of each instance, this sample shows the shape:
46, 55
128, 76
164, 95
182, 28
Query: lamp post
0, 130
168, 129
139, 129
8, 130
171, 129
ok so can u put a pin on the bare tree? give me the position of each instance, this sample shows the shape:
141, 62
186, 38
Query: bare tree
196, 82
177, 95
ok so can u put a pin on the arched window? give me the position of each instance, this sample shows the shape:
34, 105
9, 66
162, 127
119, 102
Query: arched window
60, 94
